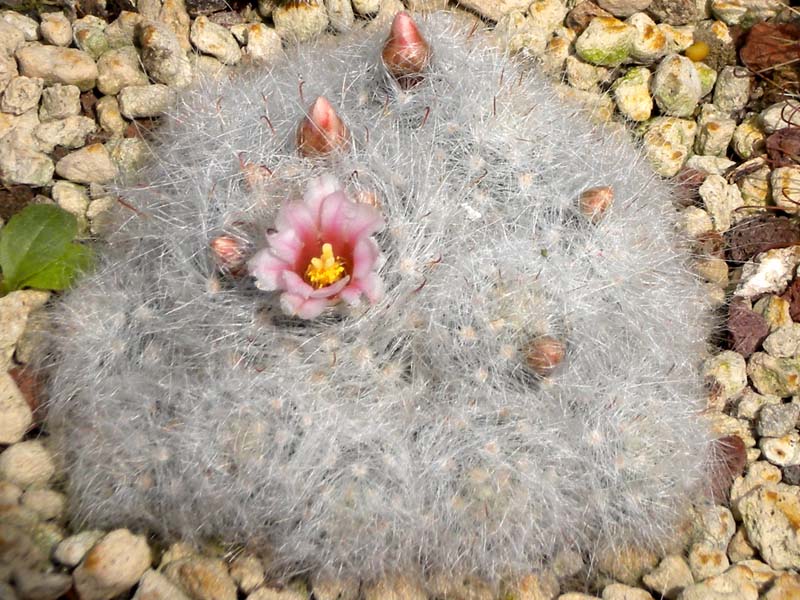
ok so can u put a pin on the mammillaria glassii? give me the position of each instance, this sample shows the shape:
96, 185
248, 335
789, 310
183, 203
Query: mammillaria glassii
423, 430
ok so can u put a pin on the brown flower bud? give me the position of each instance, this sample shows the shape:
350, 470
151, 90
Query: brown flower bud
229, 254
321, 131
544, 354
405, 53
595, 201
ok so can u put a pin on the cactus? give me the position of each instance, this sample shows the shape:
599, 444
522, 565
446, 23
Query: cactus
527, 382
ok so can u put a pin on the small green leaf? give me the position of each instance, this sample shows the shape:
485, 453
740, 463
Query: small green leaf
60, 273
32, 240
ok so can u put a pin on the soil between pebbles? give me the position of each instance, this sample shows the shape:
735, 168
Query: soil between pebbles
80, 82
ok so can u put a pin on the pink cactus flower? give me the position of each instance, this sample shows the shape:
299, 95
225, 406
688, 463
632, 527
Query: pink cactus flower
322, 252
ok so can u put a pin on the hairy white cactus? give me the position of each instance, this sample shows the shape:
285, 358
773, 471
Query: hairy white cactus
527, 382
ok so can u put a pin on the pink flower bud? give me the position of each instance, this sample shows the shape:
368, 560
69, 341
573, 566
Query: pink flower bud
544, 354
405, 53
229, 254
594, 202
321, 131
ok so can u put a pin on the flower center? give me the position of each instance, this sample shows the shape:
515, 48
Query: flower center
326, 269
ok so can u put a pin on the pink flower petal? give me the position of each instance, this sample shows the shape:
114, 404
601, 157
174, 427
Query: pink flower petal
296, 285
363, 220
303, 307
318, 190
332, 215
373, 287
285, 245
298, 217
267, 270
331, 290
365, 255
351, 294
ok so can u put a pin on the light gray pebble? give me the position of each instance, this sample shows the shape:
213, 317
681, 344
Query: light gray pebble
769, 515
733, 584
370, 7
721, 199
91, 164
122, 30
780, 116
48, 504
623, 8
606, 41
28, 27
707, 560
58, 65
15, 414
71, 550
127, 153
776, 420
112, 566
784, 342
11, 39
109, 116
72, 197
332, 588
667, 142
750, 403
670, 576
145, 101
302, 21
59, 102
708, 77
676, 86
785, 188
748, 139
202, 578
213, 39
21, 164
8, 70
154, 586
746, 12
248, 572
21, 95
55, 29
715, 525
620, 591
695, 221
650, 41
162, 56
712, 165
89, 35
340, 14
584, 76
27, 464
10, 493
732, 90
37, 585
119, 68
783, 451
268, 593
69, 133
263, 43
714, 131
99, 214
15, 308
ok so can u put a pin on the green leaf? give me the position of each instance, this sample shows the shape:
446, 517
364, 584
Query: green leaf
60, 273
32, 240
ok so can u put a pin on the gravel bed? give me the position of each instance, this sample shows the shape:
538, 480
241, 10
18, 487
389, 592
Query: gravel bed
711, 89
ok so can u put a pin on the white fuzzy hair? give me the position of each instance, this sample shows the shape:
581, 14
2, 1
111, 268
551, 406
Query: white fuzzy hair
407, 436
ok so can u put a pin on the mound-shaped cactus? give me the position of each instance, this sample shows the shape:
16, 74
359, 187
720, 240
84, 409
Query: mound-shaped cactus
515, 372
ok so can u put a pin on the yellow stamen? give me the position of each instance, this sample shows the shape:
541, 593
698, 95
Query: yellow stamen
326, 269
